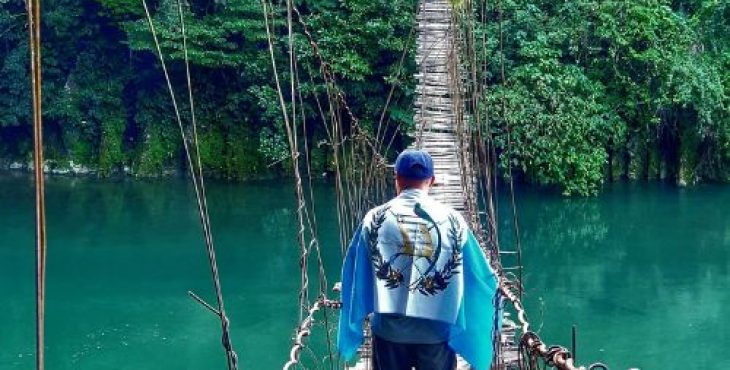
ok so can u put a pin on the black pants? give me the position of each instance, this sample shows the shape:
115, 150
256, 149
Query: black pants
404, 356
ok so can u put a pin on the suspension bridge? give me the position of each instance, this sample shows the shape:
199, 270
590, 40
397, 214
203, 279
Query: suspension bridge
449, 125
445, 128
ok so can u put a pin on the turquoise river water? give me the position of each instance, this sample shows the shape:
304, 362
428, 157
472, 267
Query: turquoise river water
641, 270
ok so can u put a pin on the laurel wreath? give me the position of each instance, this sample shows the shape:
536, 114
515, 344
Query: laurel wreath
384, 270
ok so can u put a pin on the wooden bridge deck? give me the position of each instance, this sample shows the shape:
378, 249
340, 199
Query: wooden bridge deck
439, 118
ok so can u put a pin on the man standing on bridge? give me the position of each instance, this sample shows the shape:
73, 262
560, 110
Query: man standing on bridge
415, 264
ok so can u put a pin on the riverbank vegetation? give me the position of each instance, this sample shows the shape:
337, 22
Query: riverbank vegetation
592, 90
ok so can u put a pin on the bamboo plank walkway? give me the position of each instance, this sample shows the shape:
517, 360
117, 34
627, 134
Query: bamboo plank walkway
439, 120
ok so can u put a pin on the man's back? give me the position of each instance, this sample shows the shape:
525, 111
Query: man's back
415, 247
415, 265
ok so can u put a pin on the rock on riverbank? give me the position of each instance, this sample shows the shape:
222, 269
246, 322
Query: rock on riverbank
52, 167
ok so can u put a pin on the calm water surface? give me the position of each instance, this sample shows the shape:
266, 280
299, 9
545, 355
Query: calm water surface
642, 270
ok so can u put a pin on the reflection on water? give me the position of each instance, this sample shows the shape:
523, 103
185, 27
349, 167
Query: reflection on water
642, 270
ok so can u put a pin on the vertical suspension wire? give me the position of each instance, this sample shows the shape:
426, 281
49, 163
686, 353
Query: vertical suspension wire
312, 224
476, 134
335, 152
515, 218
293, 150
34, 32
294, 144
484, 169
479, 167
488, 153
196, 178
490, 150
305, 214
193, 120
353, 188
467, 62
231, 356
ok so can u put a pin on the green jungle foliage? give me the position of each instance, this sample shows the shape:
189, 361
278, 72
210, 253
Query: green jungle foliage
592, 90
597, 90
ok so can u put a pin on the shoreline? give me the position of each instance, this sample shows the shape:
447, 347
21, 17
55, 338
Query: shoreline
73, 170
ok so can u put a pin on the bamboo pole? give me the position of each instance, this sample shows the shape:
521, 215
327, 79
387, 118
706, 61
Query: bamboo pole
34, 19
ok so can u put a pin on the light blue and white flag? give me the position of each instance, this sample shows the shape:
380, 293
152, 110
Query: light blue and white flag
415, 257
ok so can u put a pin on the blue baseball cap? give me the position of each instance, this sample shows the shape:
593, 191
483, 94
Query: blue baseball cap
414, 164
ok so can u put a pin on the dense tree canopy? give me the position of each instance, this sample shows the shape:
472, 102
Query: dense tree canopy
592, 89
598, 89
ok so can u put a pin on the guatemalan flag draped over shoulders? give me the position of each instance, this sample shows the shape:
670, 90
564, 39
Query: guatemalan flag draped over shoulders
415, 257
